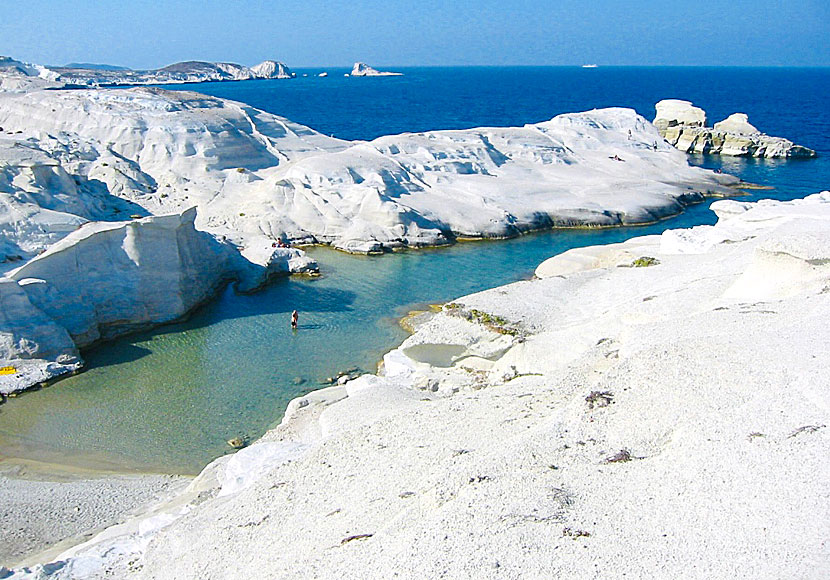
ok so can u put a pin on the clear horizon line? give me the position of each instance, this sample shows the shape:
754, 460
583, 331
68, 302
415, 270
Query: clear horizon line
412, 66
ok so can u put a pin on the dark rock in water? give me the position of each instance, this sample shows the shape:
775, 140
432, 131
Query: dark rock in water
298, 380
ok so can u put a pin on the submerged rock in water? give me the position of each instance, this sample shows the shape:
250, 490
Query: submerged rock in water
684, 126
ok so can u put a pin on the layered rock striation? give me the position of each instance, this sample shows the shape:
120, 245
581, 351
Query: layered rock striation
684, 126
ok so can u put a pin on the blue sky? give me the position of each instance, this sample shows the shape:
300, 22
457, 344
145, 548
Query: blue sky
150, 34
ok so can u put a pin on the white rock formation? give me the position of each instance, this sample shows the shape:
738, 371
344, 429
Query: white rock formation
68, 158
33, 347
361, 69
672, 112
684, 126
662, 421
271, 69
135, 274
101, 280
108, 278
737, 123
253, 174
12, 67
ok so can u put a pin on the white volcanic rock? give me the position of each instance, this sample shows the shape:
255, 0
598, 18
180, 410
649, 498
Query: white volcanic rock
33, 348
271, 69
255, 175
17, 76
41, 201
671, 112
12, 67
683, 125
134, 274
425, 189
69, 158
107, 155
107, 278
622, 419
361, 69
737, 123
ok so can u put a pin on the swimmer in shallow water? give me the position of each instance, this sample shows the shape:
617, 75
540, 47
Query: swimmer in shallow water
295, 316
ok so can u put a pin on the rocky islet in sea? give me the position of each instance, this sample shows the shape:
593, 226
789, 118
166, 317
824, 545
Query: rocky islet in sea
684, 126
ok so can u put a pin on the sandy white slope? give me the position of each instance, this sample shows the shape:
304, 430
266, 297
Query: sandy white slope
663, 421
255, 175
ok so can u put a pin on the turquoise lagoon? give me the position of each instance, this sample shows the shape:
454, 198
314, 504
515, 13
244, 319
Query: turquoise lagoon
168, 400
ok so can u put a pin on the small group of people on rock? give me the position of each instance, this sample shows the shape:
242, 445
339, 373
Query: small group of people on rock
280, 244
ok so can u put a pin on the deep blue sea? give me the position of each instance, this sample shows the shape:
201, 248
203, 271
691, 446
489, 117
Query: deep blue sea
168, 400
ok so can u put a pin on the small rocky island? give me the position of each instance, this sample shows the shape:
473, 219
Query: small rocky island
361, 69
684, 126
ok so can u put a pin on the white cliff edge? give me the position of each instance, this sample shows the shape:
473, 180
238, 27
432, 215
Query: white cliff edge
633, 408
684, 126
108, 278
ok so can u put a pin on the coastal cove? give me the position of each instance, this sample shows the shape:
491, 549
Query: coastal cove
168, 400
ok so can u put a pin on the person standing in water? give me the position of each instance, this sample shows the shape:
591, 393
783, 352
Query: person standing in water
295, 316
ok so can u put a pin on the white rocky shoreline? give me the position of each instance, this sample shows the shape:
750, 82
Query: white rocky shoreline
110, 199
519, 431
657, 407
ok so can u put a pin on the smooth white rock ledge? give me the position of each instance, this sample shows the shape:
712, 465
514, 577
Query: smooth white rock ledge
666, 421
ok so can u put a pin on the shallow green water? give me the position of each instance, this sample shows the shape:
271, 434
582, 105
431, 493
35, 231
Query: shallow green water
169, 400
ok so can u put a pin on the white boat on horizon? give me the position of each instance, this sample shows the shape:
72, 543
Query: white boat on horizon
589, 66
